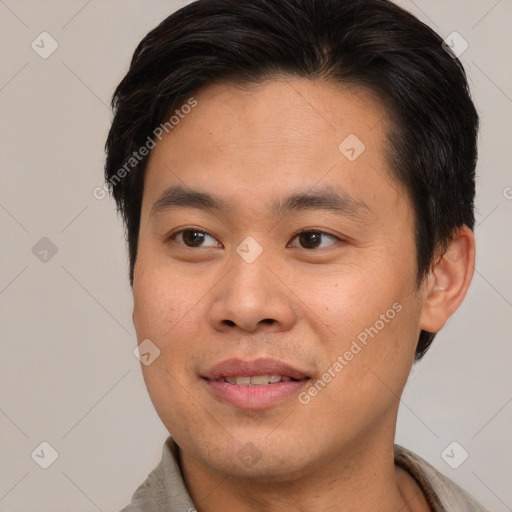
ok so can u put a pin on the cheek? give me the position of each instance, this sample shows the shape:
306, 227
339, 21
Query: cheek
372, 317
167, 310
164, 312
367, 366
350, 297
163, 301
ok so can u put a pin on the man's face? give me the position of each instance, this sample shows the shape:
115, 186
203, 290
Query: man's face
240, 283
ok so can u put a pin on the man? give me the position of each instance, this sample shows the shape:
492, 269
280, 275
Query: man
296, 179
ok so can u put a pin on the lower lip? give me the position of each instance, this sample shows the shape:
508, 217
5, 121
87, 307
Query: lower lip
255, 397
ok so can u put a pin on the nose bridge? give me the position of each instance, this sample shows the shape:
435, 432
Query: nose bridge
250, 283
249, 262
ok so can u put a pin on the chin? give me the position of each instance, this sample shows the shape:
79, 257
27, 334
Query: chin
242, 455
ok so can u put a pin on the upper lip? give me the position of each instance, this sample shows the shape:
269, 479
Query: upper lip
252, 367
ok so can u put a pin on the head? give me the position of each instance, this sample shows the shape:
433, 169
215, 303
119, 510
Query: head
305, 192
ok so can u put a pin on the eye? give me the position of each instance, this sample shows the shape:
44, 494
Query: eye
193, 238
313, 239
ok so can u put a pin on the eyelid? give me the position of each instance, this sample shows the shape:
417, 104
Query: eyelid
316, 230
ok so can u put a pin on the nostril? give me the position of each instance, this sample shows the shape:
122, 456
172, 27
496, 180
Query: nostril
268, 321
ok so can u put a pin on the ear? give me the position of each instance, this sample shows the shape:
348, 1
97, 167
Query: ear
448, 281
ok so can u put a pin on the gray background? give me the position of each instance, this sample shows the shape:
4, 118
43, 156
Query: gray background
68, 375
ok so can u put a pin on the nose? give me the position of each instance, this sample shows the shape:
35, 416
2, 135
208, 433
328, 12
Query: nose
251, 297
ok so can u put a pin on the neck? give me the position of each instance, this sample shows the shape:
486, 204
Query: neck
361, 478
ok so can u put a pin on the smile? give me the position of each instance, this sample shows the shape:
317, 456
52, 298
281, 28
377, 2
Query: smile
254, 384
257, 380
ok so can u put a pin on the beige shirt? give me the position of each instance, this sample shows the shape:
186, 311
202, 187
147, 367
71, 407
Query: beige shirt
165, 491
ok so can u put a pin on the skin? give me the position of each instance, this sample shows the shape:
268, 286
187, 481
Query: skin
302, 305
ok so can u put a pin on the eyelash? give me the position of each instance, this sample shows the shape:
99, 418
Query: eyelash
173, 236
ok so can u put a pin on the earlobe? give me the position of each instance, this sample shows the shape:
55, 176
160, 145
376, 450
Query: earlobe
448, 281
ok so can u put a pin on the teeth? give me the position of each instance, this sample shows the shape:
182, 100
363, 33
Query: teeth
256, 380
260, 380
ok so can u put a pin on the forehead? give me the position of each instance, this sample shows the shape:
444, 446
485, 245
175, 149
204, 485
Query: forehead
273, 135
281, 114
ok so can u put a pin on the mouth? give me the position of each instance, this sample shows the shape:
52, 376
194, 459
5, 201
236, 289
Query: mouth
254, 384
257, 380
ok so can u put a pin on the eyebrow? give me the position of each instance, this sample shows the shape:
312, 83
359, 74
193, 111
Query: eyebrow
327, 199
